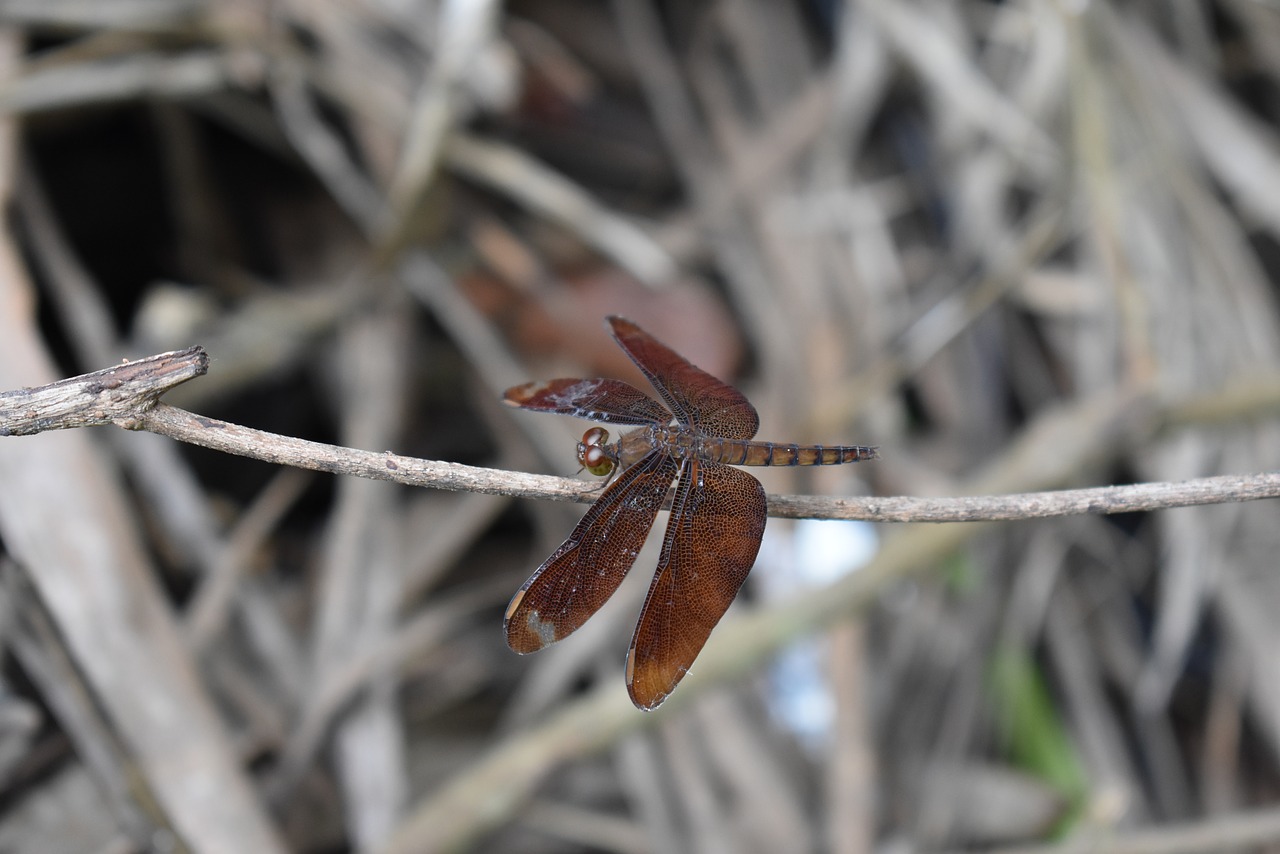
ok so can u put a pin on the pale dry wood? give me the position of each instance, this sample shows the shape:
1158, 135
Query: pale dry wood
360, 575
323, 150
850, 769
76, 297
184, 517
74, 15
1165, 243
733, 243
1250, 627
210, 609
425, 630
643, 781
958, 83
525, 180
34, 640
486, 352
110, 396
1114, 781
156, 467
466, 33
63, 516
753, 782
710, 829
139, 75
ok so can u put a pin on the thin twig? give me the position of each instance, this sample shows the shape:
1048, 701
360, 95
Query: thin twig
1133, 498
411, 471
126, 396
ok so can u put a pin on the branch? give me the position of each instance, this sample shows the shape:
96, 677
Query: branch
127, 396
1133, 498
411, 471
119, 395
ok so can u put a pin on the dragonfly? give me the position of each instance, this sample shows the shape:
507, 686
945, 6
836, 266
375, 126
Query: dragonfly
693, 436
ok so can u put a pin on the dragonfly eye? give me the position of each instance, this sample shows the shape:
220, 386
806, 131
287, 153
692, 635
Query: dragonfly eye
591, 455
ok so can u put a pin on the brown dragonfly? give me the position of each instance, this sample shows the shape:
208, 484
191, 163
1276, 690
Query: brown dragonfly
701, 429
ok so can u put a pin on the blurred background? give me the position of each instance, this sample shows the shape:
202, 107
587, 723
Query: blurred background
1017, 245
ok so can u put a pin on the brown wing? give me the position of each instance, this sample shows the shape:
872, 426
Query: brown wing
610, 401
584, 572
713, 535
696, 397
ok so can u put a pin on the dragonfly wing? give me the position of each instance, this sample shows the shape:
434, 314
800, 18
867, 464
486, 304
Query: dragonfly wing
713, 535
696, 397
584, 572
609, 401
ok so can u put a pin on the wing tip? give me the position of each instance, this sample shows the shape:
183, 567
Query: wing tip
619, 325
641, 687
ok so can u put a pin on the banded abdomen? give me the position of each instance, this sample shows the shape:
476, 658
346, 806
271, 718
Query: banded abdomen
741, 452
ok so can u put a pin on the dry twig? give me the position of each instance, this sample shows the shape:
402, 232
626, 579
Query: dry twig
128, 397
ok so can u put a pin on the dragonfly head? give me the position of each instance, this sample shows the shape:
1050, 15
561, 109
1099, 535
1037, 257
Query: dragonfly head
593, 455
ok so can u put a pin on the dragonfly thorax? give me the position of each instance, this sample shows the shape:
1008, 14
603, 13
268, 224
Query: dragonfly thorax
679, 442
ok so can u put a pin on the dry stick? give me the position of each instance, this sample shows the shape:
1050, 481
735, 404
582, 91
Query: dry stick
116, 395
127, 395
243, 441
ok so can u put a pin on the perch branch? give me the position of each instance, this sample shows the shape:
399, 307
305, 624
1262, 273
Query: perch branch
126, 395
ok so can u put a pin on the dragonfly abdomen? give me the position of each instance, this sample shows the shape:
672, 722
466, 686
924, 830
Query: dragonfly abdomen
740, 452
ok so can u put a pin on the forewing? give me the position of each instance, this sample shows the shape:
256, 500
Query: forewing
584, 572
610, 401
713, 535
694, 395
